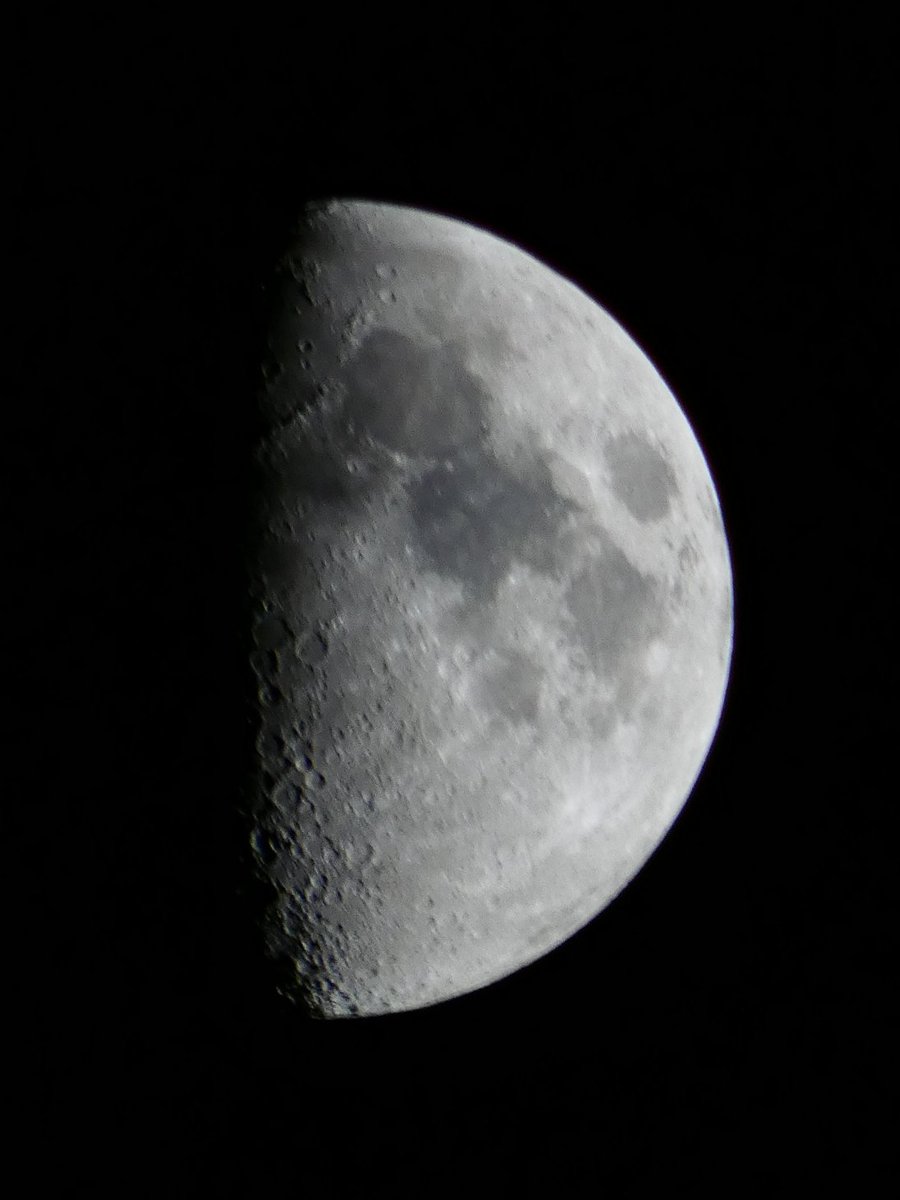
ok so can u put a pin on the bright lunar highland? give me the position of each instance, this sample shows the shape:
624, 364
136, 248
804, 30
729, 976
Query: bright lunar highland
492, 611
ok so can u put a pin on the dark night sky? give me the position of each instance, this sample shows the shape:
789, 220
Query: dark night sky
721, 191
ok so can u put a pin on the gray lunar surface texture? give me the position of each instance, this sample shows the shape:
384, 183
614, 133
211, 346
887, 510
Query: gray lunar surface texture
492, 611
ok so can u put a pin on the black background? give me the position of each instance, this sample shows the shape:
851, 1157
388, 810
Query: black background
721, 190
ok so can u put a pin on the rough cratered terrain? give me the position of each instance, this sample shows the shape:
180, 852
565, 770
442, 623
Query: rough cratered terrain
493, 611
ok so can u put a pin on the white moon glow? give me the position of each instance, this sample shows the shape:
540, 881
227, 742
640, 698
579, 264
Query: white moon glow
493, 611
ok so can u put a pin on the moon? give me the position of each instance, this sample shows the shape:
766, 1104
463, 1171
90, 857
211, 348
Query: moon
492, 611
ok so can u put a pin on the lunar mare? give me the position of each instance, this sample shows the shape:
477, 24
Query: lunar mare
493, 611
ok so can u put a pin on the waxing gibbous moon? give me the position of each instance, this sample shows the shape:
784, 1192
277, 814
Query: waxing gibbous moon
492, 611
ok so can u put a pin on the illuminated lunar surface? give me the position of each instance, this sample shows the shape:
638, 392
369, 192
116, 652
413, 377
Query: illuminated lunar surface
493, 611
